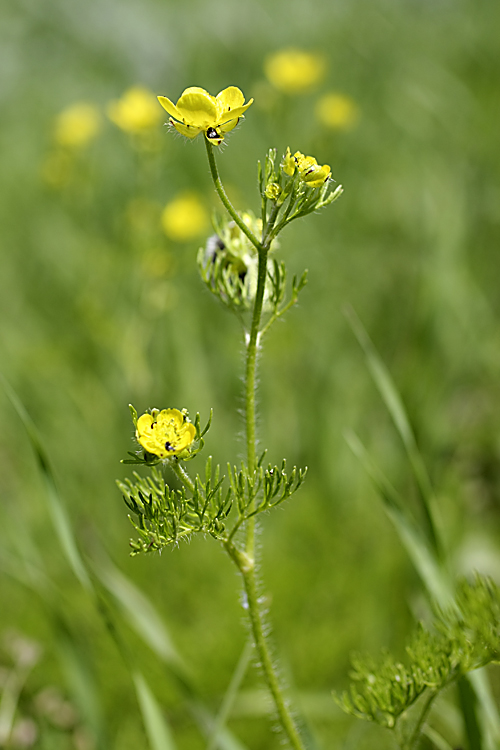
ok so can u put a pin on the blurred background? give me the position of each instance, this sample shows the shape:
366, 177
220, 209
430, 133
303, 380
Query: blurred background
102, 211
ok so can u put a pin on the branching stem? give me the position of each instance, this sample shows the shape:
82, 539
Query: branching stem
245, 561
225, 200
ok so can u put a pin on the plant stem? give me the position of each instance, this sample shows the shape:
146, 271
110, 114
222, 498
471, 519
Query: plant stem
246, 566
225, 200
421, 719
245, 561
181, 472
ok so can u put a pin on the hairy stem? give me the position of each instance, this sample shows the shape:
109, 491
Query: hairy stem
245, 561
181, 472
246, 567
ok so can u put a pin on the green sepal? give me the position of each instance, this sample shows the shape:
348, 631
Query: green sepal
133, 412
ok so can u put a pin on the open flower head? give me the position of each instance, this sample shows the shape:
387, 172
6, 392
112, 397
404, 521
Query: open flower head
77, 125
185, 217
294, 71
310, 172
135, 112
337, 111
165, 433
197, 112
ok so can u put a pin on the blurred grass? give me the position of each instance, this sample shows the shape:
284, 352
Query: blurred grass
100, 309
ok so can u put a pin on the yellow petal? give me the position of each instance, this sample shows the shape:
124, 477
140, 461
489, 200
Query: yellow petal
198, 90
316, 175
288, 165
188, 130
197, 108
228, 125
144, 423
170, 107
229, 100
304, 162
234, 113
170, 418
186, 436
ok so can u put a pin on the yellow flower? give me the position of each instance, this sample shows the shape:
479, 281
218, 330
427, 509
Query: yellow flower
165, 433
184, 218
77, 125
308, 168
198, 111
310, 171
337, 111
136, 112
294, 71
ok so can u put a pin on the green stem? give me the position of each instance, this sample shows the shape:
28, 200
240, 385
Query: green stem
417, 730
181, 472
250, 376
225, 200
278, 314
245, 561
247, 569
268, 234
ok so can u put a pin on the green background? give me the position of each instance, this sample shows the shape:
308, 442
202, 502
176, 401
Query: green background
412, 246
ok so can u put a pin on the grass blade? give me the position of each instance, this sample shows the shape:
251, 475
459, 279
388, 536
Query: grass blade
56, 508
158, 732
230, 695
392, 400
81, 682
140, 613
412, 538
145, 619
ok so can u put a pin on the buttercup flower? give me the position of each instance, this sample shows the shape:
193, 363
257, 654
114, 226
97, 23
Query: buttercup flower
337, 111
77, 125
136, 111
308, 168
184, 218
198, 111
294, 71
165, 433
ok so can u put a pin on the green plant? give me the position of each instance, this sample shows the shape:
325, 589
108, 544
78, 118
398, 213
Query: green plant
237, 268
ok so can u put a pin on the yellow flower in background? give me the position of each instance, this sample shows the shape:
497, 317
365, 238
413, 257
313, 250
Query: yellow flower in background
294, 71
308, 168
185, 217
337, 111
136, 112
77, 125
198, 111
165, 433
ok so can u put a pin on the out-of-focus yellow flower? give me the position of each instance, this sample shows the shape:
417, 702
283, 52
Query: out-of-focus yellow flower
308, 168
294, 71
165, 433
337, 111
198, 111
184, 218
136, 112
77, 125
